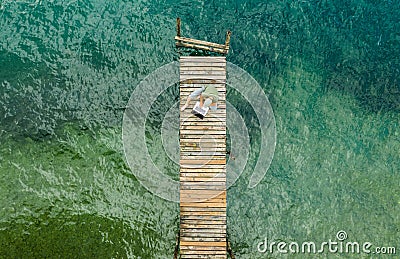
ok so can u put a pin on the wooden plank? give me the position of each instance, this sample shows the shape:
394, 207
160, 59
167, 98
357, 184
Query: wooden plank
202, 127
206, 248
204, 183
192, 118
203, 132
214, 232
203, 153
210, 148
200, 200
205, 226
216, 139
207, 128
200, 162
220, 106
209, 182
211, 192
202, 187
214, 59
207, 175
204, 198
195, 158
221, 167
188, 90
200, 210
204, 140
197, 172
197, 178
204, 222
207, 217
203, 204
203, 179
202, 77
203, 63
202, 252
207, 244
211, 119
202, 81
198, 46
202, 238
201, 42
185, 94
210, 169
196, 85
206, 147
200, 157
203, 68
208, 143
203, 57
210, 198
203, 71
202, 257
216, 116
204, 213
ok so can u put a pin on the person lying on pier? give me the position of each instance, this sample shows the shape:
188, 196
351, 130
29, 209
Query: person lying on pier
208, 97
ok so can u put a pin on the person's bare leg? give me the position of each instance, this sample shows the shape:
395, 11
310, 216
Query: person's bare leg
201, 101
186, 104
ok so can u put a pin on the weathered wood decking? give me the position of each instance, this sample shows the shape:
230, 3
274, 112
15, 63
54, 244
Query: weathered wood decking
203, 163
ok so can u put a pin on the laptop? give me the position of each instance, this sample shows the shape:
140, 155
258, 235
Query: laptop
200, 112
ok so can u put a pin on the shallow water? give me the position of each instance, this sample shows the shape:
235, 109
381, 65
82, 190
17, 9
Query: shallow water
67, 70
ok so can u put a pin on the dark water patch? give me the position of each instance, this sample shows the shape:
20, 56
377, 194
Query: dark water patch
358, 48
93, 53
55, 237
79, 175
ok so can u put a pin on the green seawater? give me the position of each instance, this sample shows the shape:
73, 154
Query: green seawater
330, 69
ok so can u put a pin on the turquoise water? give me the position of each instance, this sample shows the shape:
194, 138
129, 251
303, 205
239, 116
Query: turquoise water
67, 69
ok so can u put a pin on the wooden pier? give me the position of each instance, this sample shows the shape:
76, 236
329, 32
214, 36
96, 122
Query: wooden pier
203, 163
201, 44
